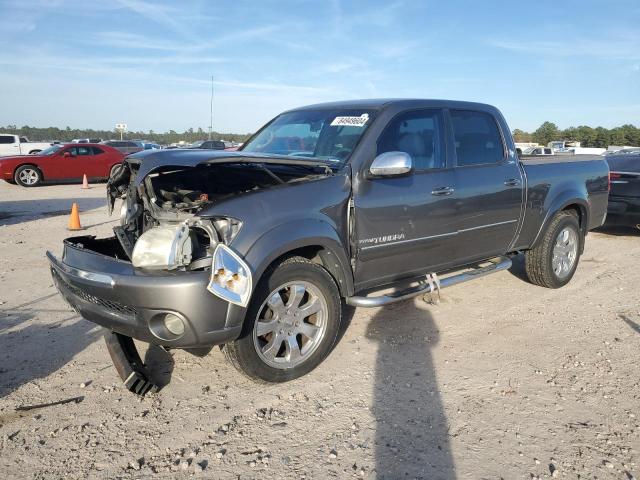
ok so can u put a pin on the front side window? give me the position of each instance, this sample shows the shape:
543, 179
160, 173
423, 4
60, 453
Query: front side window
417, 133
318, 135
477, 138
24, 140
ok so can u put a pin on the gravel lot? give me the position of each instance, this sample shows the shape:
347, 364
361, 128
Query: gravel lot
500, 379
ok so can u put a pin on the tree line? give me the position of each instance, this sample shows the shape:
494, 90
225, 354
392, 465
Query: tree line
548, 131
67, 134
587, 136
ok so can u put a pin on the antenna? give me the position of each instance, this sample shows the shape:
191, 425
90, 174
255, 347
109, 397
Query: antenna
211, 111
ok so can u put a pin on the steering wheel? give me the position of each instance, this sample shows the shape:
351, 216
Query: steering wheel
268, 139
342, 153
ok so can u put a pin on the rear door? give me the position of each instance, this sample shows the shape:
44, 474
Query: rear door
404, 225
489, 186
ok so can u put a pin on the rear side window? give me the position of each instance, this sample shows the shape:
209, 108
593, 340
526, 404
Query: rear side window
547, 151
85, 151
6, 139
477, 138
97, 151
418, 133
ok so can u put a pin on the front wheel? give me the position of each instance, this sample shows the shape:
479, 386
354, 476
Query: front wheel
554, 260
291, 325
28, 176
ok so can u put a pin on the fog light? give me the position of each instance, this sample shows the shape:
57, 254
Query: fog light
174, 324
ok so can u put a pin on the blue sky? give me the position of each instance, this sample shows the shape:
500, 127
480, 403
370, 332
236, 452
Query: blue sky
92, 64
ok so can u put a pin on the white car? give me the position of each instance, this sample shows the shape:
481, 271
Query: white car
16, 145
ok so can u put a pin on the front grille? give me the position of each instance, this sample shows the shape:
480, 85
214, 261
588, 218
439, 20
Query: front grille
108, 304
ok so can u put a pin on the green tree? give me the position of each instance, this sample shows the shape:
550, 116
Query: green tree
521, 136
546, 133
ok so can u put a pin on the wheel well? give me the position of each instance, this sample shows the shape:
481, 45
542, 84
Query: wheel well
322, 256
34, 151
580, 213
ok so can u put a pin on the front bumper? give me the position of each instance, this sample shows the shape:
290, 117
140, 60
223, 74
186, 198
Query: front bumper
112, 293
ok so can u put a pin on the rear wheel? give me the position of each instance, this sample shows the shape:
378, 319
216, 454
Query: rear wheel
28, 176
554, 260
291, 324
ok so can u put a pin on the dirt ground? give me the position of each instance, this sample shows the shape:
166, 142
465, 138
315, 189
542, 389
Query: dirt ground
501, 379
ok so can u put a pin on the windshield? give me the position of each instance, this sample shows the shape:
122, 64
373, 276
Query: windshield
51, 150
325, 135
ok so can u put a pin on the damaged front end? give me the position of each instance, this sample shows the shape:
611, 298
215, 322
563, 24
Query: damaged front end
169, 276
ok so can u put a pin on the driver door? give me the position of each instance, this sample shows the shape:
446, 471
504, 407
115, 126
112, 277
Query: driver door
405, 225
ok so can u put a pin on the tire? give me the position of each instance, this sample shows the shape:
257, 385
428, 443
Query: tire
28, 176
278, 334
554, 260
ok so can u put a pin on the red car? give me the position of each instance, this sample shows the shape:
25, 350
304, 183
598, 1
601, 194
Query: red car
61, 162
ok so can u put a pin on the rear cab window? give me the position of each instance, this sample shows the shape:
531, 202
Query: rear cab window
477, 138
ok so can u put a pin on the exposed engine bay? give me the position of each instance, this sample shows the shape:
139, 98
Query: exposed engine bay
160, 226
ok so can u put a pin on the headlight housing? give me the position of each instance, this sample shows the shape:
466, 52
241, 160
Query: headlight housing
230, 277
165, 247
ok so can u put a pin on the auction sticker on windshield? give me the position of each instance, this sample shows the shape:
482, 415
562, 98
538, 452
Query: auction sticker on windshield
350, 121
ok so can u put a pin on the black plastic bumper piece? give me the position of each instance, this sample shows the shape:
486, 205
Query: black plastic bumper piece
128, 363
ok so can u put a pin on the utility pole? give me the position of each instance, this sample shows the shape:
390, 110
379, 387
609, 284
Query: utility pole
211, 111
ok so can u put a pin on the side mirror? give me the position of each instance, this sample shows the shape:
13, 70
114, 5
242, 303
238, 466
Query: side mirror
391, 164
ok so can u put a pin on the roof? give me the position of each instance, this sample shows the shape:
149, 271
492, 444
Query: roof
379, 103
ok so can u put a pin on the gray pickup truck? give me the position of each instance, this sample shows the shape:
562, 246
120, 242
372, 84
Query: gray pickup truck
360, 202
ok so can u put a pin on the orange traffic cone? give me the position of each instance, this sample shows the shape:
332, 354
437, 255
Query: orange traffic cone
85, 182
74, 219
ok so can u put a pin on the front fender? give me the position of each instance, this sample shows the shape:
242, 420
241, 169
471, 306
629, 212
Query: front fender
298, 234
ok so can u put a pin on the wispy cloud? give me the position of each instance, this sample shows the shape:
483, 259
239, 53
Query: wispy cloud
136, 41
130, 40
616, 48
163, 15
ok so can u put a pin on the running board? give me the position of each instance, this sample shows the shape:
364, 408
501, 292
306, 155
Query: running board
431, 283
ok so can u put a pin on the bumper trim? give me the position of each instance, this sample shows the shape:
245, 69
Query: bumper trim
126, 359
94, 277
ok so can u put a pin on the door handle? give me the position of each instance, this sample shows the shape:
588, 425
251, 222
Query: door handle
442, 191
512, 182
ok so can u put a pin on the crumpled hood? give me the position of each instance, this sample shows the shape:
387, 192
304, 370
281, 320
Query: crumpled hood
152, 160
146, 162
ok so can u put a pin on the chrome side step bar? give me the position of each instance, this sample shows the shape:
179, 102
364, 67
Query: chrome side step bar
496, 265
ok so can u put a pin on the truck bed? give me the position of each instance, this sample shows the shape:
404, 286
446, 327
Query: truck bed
567, 177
